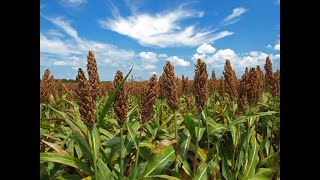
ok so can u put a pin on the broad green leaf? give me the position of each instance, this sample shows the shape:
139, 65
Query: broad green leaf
184, 143
225, 168
133, 110
255, 177
84, 146
96, 143
199, 133
66, 159
104, 170
215, 128
190, 124
268, 172
186, 167
253, 157
111, 98
270, 161
202, 171
106, 133
68, 177
244, 118
160, 162
161, 177
146, 143
201, 153
56, 147
132, 135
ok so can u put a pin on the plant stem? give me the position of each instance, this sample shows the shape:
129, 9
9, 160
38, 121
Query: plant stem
271, 137
197, 136
137, 155
121, 152
175, 126
207, 129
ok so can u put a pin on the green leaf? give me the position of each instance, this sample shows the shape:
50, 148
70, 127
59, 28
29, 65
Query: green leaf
66, 159
199, 133
215, 128
243, 118
132, 135
133, 110
146, 143
95, 146
225, 169
111, 99
161, 177
186, 167
104, 170
255, 177
160, 162
253, 157
56, 147
268, 172
202, 171
190, 124
84, 146
184, 143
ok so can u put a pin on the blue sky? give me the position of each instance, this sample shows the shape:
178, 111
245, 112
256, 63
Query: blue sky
147, 33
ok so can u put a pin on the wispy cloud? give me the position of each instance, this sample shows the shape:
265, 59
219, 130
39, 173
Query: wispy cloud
163, 29
55, 32
236, 12
72, 3
65, 48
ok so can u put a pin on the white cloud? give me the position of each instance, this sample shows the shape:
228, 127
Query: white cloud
269, 46
153, 73
176, 61
65, 25
149, 66
277, 46
55, 32
250, 59
149, 57
56, 46
162, 29
235, 13
162, 55
205, 48
60, 63
73, 3
64, 48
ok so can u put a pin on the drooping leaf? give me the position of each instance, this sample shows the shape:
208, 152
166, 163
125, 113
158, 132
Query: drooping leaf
160, 162
66, 159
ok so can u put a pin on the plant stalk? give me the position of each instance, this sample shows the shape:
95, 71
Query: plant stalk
175, 126
207, 129
137, 155
197, 136
121, 152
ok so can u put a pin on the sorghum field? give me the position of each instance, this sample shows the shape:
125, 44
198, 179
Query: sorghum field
163, 128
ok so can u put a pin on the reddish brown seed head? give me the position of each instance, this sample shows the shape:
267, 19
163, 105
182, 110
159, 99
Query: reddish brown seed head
148, 99
231, 80
93, 75
120, 104
46, 86
170, 87
83, 93
200, 84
